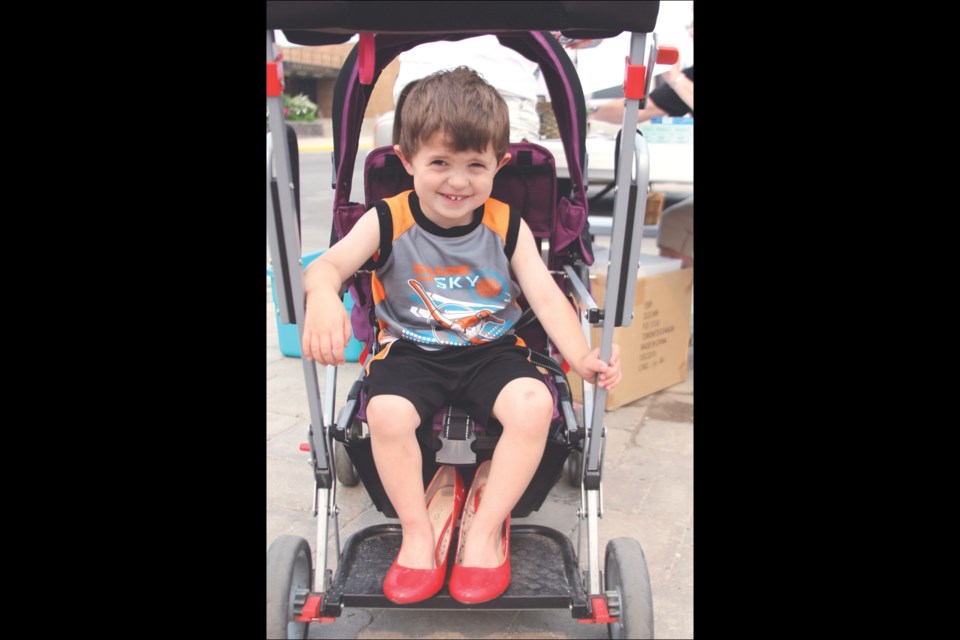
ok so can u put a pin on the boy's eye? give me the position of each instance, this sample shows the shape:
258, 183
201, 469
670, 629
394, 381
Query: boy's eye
438, 163
478, 165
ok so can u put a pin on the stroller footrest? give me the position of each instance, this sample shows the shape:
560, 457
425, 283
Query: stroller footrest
543, 563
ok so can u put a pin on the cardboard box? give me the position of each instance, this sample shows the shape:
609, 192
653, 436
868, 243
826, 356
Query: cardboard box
654, 349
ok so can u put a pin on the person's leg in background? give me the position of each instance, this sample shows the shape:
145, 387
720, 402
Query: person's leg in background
524, 119
675, 237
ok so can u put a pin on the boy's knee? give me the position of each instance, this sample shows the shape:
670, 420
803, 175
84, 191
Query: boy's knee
528, 405
391, 415
540, 403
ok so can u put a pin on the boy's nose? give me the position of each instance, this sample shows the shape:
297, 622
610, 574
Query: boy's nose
457, 180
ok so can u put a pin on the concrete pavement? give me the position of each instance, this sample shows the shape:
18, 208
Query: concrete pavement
648, 495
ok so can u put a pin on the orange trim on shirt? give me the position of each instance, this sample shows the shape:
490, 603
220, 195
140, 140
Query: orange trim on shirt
402, 216
497, 218
376, 288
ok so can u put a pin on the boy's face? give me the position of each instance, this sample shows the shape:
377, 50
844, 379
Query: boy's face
451, 184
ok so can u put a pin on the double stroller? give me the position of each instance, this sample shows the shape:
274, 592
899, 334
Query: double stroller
548, 571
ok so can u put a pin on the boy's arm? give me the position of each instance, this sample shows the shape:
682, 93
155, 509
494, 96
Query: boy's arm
326, 327
557, 315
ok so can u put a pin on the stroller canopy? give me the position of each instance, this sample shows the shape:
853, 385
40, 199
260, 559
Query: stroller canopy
319, 23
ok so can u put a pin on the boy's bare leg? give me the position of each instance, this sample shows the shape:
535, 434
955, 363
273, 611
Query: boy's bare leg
670, 253
524, 408
393, 423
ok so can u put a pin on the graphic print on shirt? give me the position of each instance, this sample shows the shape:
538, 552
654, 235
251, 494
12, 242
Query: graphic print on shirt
474, 323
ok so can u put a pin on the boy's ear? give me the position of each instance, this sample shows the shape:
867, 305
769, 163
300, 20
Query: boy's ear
503, 161
406, 163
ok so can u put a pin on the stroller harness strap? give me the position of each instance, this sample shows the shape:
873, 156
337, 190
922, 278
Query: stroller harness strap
456, 438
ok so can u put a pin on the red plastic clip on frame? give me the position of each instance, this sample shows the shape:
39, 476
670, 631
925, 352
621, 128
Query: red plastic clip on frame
366, 57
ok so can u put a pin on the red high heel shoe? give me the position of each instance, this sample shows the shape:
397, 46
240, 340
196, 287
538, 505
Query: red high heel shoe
472, 585
444, 498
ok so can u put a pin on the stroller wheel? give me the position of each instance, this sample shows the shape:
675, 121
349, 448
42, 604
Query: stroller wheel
574, 468
289, 578
625, 575
346, 472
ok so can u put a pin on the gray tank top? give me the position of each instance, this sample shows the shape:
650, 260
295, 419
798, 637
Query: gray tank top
445, 287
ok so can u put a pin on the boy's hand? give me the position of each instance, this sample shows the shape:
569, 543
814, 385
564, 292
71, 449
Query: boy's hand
326, 330
591, 364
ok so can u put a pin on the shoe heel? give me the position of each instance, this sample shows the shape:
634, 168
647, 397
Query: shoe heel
444, 506
473, 585
444, 499
471, 502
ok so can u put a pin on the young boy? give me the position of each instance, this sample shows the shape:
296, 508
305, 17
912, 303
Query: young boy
448, 260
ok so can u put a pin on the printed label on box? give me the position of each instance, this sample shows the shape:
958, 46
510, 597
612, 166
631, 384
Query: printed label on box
664, 133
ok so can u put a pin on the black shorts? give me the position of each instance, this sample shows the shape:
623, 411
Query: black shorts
469, 377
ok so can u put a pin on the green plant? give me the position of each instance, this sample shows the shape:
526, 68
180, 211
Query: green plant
299, 108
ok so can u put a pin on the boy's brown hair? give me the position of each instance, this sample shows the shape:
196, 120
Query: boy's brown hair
462, 105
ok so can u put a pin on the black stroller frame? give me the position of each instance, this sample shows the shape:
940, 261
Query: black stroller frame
301, 590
